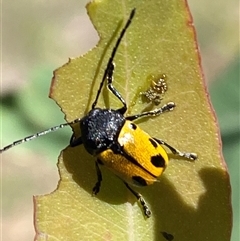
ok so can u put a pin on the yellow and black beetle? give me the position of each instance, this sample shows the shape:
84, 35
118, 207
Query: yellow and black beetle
118, 143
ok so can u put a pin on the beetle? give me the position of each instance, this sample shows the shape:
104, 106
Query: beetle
117, 142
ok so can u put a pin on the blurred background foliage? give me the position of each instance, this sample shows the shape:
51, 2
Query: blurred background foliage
38, 37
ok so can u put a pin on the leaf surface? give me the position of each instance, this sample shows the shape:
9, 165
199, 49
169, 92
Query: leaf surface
191, 201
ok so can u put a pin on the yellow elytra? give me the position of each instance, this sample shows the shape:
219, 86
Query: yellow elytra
144, 159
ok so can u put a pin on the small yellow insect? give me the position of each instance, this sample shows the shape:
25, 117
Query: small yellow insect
117, 142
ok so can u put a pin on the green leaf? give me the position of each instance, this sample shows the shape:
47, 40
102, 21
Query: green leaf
191, 201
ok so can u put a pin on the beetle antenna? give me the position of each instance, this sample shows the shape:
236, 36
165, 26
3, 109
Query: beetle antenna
32, 137
110, 61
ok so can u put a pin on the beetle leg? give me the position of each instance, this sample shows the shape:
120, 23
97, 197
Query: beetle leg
97, 186
189, 155
165, 108
112, 88
140, 198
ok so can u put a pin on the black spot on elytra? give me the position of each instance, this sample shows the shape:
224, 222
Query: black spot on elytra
158, 161
154, 143
139, 181
133, 126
